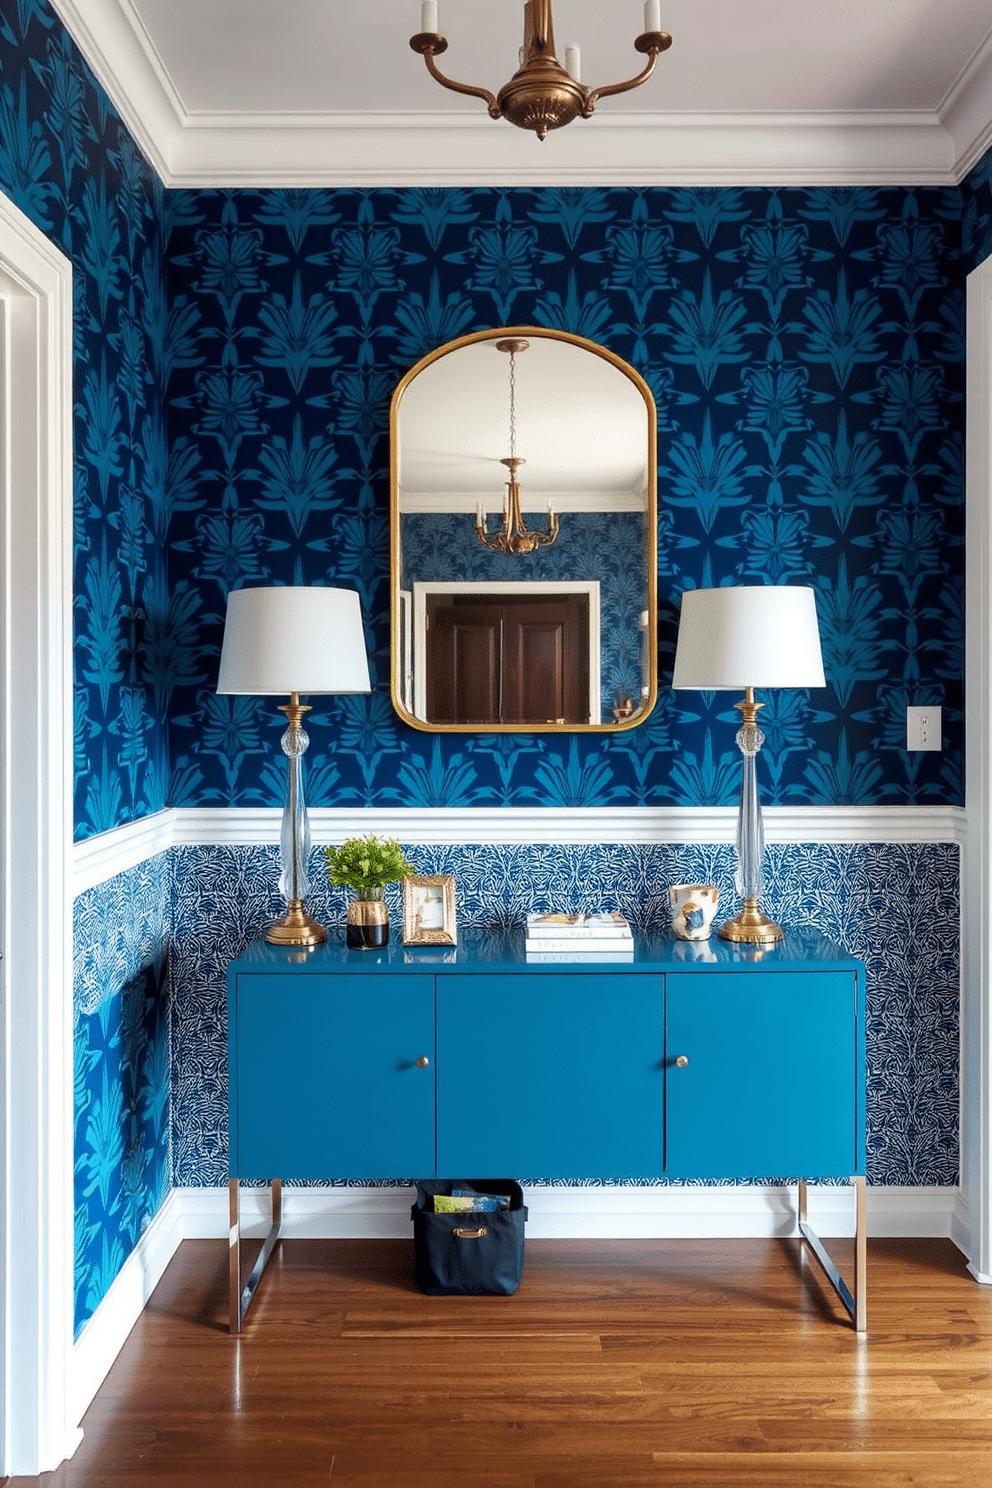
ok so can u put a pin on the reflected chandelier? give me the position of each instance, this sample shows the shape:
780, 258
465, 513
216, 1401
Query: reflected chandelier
514, 536
541, 94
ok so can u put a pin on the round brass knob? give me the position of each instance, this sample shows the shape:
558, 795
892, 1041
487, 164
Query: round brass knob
423, 1062
681, 1062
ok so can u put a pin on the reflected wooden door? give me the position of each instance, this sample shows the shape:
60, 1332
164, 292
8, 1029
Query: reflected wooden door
507, 660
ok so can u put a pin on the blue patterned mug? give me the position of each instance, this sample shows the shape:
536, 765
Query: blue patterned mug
693, 908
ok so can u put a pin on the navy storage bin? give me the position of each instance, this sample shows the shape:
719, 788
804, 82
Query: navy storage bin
471, 1254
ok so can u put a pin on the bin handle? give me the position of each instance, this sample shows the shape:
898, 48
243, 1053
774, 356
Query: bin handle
471, 1234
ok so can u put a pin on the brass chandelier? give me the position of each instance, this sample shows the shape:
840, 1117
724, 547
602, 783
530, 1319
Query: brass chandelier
541, 94
514, 536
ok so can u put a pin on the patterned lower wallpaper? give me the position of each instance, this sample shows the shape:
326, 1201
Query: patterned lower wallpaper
894, 906
122, 1077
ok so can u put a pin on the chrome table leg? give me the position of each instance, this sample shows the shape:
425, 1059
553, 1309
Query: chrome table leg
239, 1295
856, 1304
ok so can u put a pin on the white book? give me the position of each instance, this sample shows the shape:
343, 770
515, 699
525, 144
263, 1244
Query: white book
578, 926
578, 957
579, 944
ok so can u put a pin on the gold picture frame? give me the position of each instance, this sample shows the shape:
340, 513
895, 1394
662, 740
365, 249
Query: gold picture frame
429, 910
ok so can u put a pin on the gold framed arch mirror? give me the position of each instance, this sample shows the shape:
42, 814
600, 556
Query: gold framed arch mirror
523, 537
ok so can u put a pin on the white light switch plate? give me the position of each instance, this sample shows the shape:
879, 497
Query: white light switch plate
922, 728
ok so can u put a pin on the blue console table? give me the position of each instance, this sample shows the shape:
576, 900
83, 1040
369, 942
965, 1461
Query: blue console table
704, 1060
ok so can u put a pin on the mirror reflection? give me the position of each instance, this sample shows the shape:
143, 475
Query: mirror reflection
523, 530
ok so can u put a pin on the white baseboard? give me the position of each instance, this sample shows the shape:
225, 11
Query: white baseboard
586, 1213
962, 1234
103, 1335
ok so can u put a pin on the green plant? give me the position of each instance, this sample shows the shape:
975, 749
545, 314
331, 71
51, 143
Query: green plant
366, 865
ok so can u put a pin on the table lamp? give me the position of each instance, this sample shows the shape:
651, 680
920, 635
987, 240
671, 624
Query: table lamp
294, 640
746, 638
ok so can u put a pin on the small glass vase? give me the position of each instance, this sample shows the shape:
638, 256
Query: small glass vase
368, 925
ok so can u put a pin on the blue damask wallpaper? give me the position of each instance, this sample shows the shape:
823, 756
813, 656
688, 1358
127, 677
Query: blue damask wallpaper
122, 1048
805, 351
806, 354
976, 216
68, 162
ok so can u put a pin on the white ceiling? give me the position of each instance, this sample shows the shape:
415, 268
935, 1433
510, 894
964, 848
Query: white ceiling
582, 428
328, 91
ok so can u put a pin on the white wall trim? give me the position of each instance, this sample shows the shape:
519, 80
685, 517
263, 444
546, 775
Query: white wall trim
461, 149
462, 146
967, 110
103, 1335
37, 1081
111, 37
976, 877
624, 1212
98, 859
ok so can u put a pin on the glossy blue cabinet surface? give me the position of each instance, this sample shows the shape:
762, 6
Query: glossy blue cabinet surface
324, 1076
559, 1075
414, 1062
769, 1084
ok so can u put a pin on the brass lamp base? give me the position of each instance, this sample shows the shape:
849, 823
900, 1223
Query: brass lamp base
751, 927
296, 928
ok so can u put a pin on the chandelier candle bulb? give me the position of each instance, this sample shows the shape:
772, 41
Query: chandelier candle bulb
573, 63
428, 16
652, 15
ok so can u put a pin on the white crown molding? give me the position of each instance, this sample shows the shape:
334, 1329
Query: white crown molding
621, 150
98, 859
118, 49
466, 503
197, 149
966, 111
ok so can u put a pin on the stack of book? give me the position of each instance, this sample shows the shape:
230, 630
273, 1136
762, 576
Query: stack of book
579, 937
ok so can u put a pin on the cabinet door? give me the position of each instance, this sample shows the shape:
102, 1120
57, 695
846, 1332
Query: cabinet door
769, 1087
324, 1076
550, 1076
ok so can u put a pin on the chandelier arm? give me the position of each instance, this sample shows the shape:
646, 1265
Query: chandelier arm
659, 41
427, 52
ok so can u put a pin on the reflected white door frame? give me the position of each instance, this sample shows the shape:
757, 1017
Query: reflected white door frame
973, 1229
36, 1207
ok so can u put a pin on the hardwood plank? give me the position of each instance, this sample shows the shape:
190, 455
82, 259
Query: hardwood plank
698, 1364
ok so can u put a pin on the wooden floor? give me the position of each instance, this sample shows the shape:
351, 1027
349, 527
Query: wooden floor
616, 1365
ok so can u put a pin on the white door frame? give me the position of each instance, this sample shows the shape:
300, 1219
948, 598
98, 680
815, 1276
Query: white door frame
975, 1230
36, 1073
588, 588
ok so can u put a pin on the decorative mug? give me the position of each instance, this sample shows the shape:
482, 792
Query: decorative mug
693, 908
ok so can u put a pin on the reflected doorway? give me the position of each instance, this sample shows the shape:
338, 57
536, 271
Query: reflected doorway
506, 654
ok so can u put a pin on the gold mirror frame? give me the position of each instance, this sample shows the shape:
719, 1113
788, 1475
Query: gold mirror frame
399, 624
